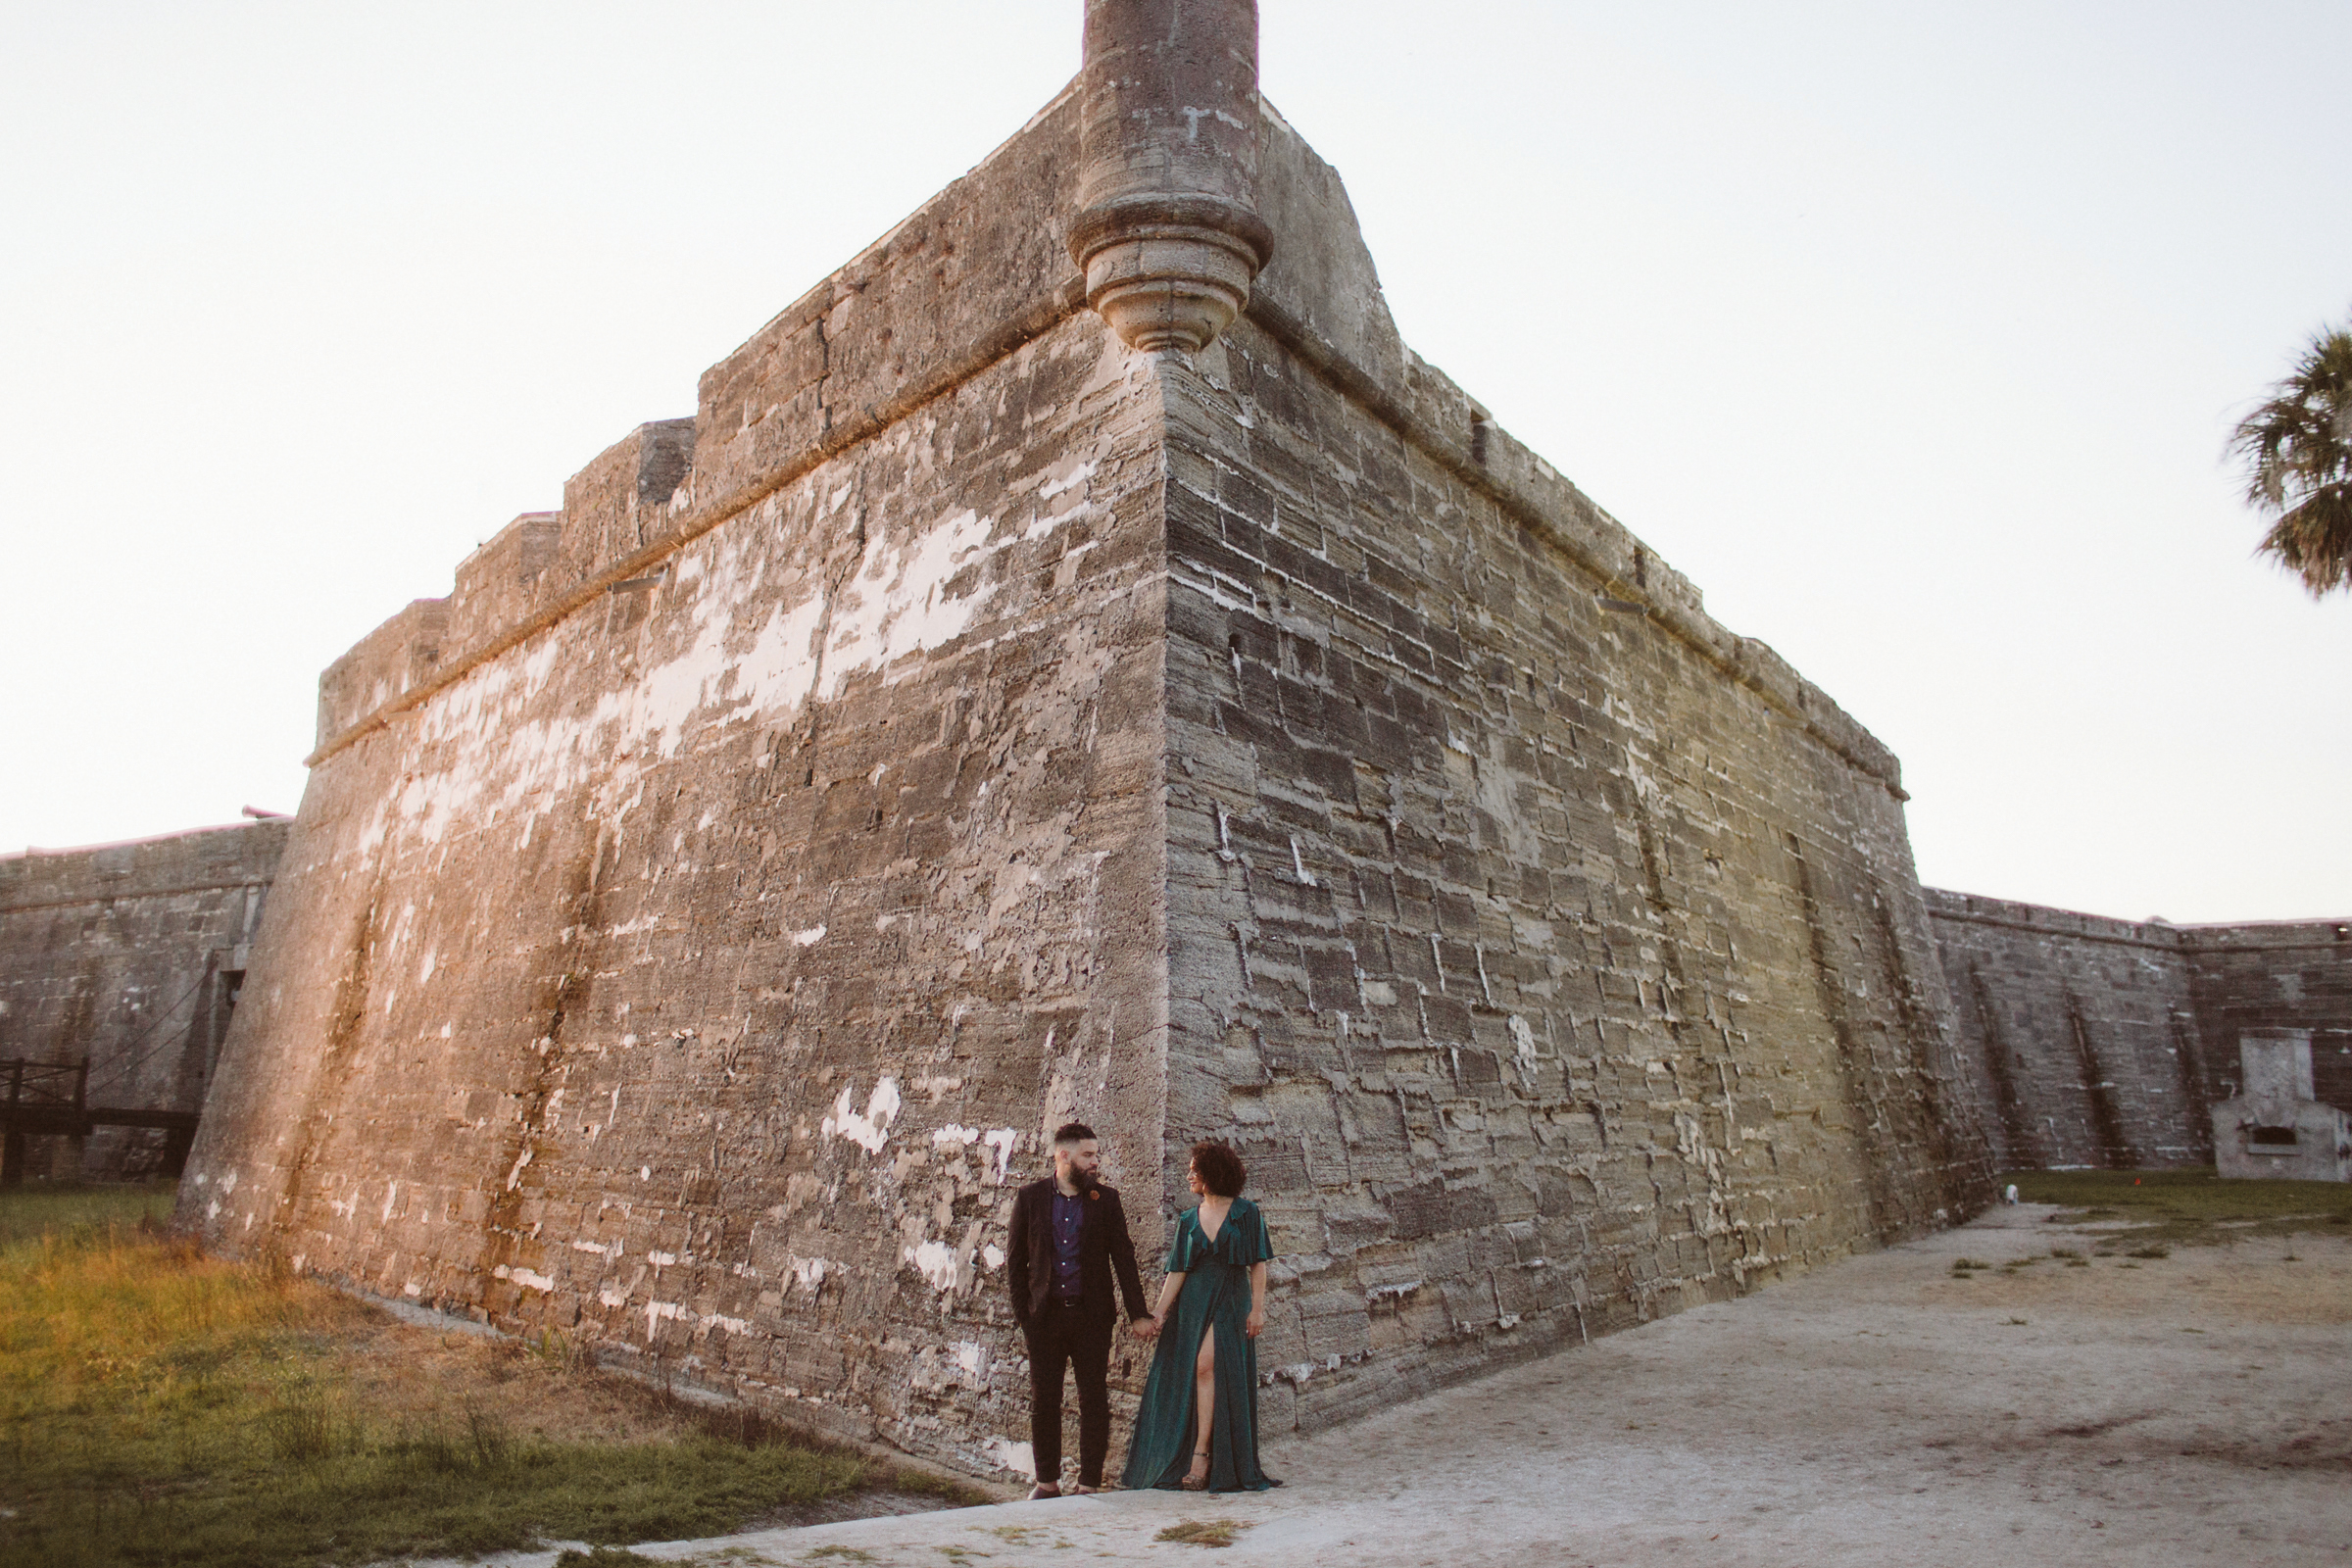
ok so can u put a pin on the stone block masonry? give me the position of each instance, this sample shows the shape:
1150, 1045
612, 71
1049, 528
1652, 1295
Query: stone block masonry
694, 923
130, 956
2107, 1043
970, 719
1556, 957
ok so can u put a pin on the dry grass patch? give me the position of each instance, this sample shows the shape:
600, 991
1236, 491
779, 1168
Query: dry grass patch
162, 1407
1203, 1532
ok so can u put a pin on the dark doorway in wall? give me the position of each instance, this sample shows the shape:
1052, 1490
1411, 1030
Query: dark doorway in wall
228, 985
211, 1032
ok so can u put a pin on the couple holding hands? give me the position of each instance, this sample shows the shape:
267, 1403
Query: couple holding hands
1196, 1428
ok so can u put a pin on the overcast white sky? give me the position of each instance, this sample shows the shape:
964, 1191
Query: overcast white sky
1911, 334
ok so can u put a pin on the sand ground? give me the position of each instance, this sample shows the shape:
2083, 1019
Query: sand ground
2189, 1410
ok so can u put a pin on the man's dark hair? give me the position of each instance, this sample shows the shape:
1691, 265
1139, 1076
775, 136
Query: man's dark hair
1073, 1132
1222, 1170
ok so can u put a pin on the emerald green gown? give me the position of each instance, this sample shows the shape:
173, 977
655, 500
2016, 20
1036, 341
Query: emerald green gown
1215, 1299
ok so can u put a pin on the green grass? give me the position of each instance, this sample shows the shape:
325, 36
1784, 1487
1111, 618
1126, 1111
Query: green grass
2156, 1208
30, 1213
161, 1407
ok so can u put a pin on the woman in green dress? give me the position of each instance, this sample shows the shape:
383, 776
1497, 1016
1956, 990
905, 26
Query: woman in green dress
1197, 1426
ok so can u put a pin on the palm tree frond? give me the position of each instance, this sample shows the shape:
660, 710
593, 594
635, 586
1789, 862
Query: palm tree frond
2298, 451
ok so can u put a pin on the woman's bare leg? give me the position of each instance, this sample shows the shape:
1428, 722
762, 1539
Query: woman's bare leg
1205, 1397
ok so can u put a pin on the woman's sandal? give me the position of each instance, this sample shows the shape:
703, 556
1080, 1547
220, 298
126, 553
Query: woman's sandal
1198, 1479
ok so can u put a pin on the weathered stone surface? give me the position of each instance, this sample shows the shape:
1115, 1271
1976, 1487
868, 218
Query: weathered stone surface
2274, 974
2107, 1043
695, 925
1555, 975
1168, 230
2272, 1128
130, 956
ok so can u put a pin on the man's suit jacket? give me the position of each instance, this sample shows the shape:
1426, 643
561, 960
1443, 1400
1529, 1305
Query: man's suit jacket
1103, 1246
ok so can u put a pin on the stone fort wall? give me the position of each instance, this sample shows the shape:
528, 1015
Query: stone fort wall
130, 956
694, 925
2106, 1043
697, 923
1555, 956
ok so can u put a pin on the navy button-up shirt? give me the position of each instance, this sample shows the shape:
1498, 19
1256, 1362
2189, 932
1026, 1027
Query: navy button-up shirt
1069, 1218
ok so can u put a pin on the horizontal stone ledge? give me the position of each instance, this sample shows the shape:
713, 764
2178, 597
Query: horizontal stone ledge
117, 895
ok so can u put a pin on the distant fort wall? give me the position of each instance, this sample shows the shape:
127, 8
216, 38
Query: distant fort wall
2106, 1043
130, 956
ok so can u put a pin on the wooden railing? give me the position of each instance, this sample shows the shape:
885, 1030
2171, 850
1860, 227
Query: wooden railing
50, 1098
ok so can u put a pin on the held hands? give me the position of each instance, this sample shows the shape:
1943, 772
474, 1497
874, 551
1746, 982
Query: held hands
1144, 1328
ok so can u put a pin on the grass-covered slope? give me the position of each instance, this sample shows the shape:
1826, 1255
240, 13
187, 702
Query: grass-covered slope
158, 1407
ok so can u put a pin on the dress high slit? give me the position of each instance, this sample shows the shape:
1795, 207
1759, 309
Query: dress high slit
1214, 1300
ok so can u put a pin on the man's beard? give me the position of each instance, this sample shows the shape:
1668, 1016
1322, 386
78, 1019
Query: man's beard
1085, 1180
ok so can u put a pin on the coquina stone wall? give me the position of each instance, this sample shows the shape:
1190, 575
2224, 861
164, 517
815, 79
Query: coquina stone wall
1555, 956
130, 956
698, 921
2274, 974
2106, 1043
694, 967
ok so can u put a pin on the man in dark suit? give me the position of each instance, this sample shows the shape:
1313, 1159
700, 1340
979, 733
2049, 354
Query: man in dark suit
1069, 1236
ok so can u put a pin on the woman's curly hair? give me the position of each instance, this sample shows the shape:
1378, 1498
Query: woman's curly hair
1222, 1170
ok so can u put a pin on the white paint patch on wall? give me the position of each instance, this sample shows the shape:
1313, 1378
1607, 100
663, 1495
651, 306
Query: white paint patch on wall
742, 650
1017, 1458
869, 1130
898, 603
938, 1263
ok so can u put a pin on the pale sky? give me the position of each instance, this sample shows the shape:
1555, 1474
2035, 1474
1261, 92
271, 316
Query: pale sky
1911, 335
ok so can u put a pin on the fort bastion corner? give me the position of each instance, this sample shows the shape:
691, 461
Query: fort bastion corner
1077, 661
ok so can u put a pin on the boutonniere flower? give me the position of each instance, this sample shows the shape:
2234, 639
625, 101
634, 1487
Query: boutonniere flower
1094, 1195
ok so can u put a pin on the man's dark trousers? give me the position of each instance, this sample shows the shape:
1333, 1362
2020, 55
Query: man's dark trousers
1073, 1335
1067, 1335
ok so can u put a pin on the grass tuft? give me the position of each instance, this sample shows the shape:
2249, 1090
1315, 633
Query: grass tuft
1202, 1531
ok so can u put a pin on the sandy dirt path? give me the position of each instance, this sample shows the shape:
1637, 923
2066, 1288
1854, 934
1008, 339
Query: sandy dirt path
2191, 1409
